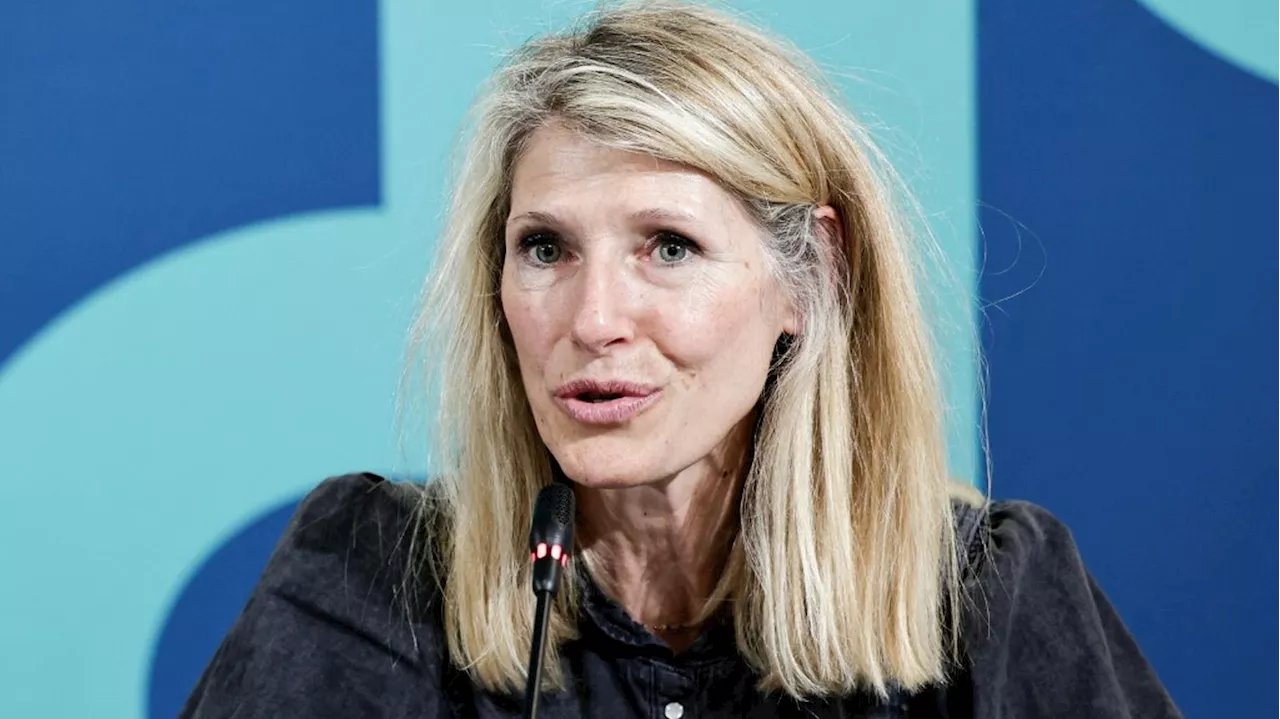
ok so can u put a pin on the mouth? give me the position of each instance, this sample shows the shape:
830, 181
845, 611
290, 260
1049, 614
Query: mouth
605, 402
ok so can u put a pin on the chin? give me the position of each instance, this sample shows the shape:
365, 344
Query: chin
606, 481
605, 465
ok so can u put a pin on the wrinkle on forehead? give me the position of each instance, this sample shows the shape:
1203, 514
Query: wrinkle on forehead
561, 148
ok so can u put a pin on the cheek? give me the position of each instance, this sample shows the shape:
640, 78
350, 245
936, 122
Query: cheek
526, 321
715, 324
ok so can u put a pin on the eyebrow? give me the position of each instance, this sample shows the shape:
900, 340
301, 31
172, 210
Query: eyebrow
658, 213
651, 214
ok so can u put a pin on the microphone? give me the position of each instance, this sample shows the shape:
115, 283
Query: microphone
550, 544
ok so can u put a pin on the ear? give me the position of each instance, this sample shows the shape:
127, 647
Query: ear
830, 228
790, 320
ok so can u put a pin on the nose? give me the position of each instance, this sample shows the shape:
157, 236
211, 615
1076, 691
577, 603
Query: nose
601, 312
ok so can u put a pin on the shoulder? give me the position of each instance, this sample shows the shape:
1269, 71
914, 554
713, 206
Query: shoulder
1022, 534
360, 519
334, 626
1021, 546
353, 514
349, 554
1041, 637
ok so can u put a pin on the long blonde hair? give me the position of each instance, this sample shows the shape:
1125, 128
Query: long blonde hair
844, 567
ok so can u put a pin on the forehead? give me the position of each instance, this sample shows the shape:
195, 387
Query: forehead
559, 165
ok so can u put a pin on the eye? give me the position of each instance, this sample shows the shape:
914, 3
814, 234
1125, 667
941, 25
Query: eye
673, 249
543, 249
546, 253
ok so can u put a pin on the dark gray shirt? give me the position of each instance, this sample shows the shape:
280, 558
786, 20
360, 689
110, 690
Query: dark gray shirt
327, 633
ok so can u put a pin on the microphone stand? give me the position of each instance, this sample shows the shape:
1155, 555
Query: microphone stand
550, 544
541, 616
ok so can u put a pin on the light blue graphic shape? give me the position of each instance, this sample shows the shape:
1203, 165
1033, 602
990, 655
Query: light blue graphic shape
1242, 32
159, 414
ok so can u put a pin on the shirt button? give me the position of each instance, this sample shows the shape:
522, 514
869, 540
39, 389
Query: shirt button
673, 710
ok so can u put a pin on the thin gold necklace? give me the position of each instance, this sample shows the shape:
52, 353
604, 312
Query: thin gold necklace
670, 627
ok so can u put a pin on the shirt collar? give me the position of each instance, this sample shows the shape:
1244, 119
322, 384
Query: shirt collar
605, 617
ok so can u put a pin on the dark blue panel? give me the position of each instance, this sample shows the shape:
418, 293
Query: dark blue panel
129, 128
1131, 385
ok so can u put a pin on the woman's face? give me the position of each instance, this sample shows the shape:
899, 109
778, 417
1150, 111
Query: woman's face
642, 313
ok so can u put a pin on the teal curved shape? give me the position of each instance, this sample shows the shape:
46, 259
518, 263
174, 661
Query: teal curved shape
1242, 32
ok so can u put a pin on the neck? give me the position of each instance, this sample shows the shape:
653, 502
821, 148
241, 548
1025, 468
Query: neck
661, 547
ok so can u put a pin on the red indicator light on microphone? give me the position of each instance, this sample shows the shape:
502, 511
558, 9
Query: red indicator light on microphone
555, 551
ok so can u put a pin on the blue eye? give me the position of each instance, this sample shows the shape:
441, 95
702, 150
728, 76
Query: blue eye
544, 249
673, 249
546, 253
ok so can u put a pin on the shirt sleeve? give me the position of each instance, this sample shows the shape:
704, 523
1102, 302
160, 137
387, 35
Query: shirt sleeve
1041, 637
327, 631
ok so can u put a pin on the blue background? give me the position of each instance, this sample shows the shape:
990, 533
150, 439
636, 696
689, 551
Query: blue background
214, 218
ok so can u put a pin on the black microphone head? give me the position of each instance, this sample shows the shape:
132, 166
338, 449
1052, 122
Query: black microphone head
553, 518
551, 537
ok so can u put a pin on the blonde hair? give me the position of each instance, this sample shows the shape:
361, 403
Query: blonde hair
845, 567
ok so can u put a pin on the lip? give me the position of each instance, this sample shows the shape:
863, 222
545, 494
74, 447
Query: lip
633, 398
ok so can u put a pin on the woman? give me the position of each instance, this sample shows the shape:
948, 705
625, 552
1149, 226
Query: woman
672, 276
